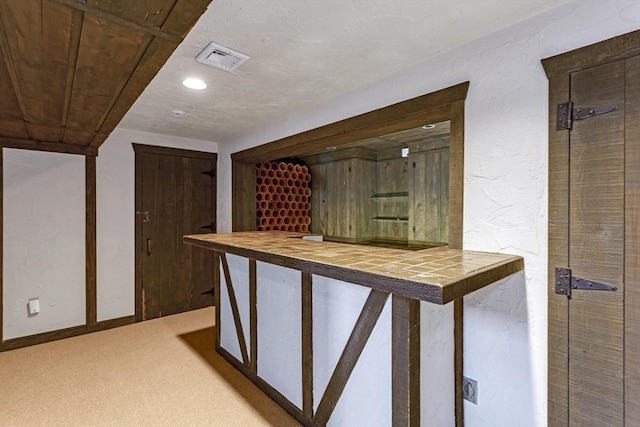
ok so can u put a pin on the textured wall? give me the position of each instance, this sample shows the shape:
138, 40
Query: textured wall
116, 211
505, 180
44, 241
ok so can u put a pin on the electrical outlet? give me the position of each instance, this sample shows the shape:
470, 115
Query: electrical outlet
33, 307
470, 390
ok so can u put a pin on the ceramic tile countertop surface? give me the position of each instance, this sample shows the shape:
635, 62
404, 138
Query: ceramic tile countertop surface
437, 275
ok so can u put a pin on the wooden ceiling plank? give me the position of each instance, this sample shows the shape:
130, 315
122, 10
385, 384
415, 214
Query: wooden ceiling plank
146, 13
10, 66
74, 41
101, 14
13, 129
55, 147
184, 15
155, 56
107, 56
98, 139
10, 108
45, 133
39, 51
77, 137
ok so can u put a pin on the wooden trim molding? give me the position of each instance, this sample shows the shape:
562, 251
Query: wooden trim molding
90, 241
405, 361
177, 152
216, 295
234, 309
1, 244
307, 344
54, 147
139, 309
274, 394
458, 359
393, 118
44, 337
253, 317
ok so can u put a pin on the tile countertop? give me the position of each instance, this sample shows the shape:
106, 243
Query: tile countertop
437, 275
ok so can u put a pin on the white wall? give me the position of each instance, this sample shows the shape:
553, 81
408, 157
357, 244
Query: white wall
115, 217
44, 232
43, 241
505, 177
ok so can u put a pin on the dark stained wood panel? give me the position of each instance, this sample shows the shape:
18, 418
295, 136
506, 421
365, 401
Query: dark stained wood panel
9, 106
115, 51
91, 255
37, 34
596, 248
632, 243
157, 53
13, 130
184, 15
70, 70
148, 13
175, 195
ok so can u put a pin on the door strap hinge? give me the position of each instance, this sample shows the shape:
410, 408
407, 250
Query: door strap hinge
210, 173
565, 282
566, 114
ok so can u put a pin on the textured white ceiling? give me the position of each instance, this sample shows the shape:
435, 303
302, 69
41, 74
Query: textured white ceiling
305, 52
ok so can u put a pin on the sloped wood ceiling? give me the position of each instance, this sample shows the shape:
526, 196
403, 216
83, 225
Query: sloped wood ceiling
71, 69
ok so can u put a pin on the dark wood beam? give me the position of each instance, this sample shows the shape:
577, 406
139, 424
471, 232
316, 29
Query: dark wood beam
307, 344
352, 351
1, 242
119, 20
405, 361
90, 241
458, 359
403, 115
234, 309
216, 295
54, 147
59, 334
76, 32
253, 317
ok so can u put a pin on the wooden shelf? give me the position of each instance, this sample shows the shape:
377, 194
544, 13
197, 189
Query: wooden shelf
388, 195
391, 218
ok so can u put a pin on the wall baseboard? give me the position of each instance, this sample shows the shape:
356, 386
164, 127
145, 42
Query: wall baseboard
74, 331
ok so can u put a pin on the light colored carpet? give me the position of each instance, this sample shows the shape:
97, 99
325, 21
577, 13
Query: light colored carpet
162, 372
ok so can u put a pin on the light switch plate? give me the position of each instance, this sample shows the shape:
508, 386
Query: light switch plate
33, 307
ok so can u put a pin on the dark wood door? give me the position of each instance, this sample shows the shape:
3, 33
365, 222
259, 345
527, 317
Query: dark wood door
594, 229
175, 196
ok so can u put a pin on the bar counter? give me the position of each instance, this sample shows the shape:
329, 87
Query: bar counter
437, 275
335, 331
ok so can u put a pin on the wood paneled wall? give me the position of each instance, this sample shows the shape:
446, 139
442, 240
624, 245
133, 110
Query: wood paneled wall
443, 105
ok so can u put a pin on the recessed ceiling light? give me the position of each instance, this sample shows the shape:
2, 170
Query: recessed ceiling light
429, 126
194, 84
331, 148
177, 113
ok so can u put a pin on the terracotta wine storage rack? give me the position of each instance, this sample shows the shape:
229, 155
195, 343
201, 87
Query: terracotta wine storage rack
282, 197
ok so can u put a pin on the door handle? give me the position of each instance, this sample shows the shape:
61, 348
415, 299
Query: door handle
148, 246
209, 227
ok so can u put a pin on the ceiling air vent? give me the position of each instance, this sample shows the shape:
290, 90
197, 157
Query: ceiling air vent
217, 56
